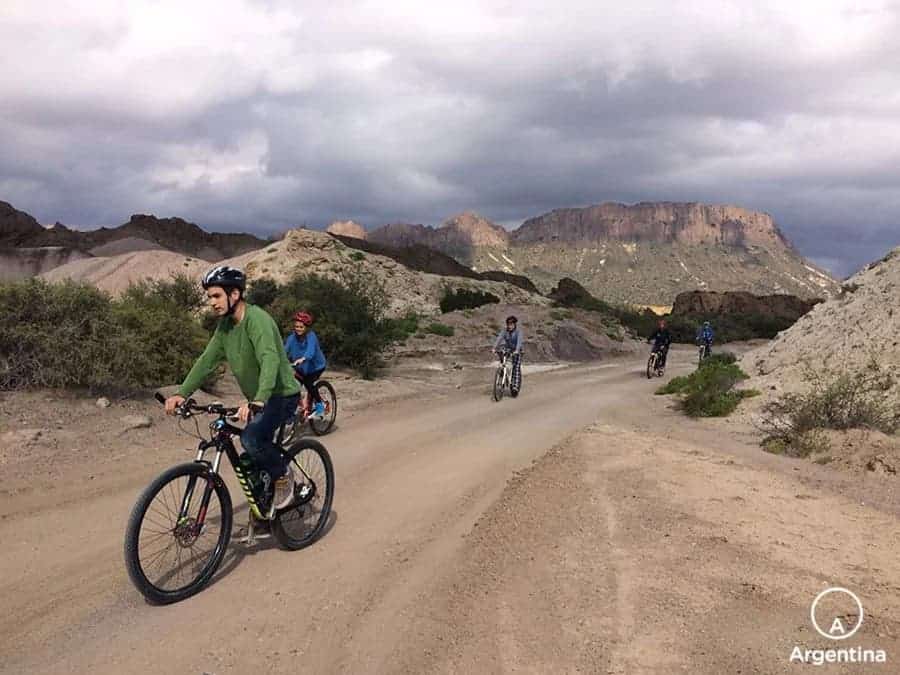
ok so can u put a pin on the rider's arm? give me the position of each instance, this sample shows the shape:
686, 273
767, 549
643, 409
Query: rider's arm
203, 367
498, 340
312, 344
268, 349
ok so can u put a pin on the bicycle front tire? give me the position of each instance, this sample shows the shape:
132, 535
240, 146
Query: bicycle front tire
148, 514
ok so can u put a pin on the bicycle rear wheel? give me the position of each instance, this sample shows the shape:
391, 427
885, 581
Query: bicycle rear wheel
300, 524
498, 384
169, 555
329, 398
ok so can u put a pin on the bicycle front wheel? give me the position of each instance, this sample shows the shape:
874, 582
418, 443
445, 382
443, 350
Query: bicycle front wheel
302, 522
178, 533
498, 384
651, 366
326, 392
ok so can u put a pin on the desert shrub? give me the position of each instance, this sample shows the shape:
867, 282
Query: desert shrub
709, 391
463, 298
349, 313
73, 335
158, 337
181, 290
440, 329
402, 328
357, 256
793, 422
262, 292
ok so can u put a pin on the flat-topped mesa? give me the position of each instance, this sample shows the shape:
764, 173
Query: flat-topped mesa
347, 228
663, 222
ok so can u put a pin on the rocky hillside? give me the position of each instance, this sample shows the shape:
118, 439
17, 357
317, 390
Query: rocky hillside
27, 248
844, 333
307, 250
464, 237
739, 302
640, 254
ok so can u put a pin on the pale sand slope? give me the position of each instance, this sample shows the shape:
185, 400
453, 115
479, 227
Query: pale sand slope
300, 250
843, 333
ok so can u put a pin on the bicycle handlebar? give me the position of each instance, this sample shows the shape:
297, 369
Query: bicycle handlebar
190, 406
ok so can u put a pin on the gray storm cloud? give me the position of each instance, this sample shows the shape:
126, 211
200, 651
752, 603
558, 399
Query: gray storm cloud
259, 115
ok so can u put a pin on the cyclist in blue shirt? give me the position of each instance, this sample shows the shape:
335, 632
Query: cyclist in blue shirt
305, 354
705, 335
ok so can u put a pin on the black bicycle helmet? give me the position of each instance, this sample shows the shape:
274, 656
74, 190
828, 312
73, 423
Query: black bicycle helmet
226, 277
512, 319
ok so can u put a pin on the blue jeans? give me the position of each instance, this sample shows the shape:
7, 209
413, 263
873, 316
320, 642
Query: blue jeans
257, 436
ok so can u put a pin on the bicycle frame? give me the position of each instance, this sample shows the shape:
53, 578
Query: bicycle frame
221, 441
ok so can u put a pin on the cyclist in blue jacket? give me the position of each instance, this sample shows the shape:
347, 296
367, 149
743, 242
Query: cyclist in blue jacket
305, 354
705, 335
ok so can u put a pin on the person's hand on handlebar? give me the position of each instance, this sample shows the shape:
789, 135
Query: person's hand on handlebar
246, 411
172, 403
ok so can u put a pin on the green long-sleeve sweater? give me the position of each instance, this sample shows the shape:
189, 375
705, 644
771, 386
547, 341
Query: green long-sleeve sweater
255, 354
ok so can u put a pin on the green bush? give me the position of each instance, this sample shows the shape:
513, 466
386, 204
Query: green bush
463, 298
358, 256
402, 328
709, 390
349, 313
834, 400
262, 292
73, 335
161, 338
440, 329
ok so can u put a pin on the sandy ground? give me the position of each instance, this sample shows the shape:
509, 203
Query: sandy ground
583, 527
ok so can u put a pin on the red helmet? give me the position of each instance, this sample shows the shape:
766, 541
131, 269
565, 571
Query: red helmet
304, 318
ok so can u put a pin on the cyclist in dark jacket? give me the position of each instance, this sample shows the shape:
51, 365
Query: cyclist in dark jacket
661, 339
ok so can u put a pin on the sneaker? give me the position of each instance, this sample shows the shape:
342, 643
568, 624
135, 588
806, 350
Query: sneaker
318, 411
284, 491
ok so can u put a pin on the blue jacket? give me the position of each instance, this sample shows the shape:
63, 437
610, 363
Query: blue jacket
705, 334
307, 348
512, 341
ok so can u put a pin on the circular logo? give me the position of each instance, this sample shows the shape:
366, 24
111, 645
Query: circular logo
836, 630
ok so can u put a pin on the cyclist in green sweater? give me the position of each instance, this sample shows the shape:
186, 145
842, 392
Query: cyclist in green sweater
249, 340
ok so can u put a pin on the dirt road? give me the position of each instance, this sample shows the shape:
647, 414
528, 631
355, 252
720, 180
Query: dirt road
582, 527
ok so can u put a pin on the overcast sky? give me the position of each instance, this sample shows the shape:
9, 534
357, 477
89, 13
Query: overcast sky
259, 115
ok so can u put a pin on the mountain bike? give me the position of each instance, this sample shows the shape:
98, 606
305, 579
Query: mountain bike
320, 425
654, 366
704, 352
180, 526
504, 375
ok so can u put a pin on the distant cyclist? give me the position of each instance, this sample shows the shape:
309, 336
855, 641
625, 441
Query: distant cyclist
305, 354
705, 336
661, 339
511, 340
250, 341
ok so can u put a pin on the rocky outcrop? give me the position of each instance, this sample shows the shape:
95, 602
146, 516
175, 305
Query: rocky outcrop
16, 227
639, 254
737, 302
461, 236
414, 256
658, 222
19, 230
347, 228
